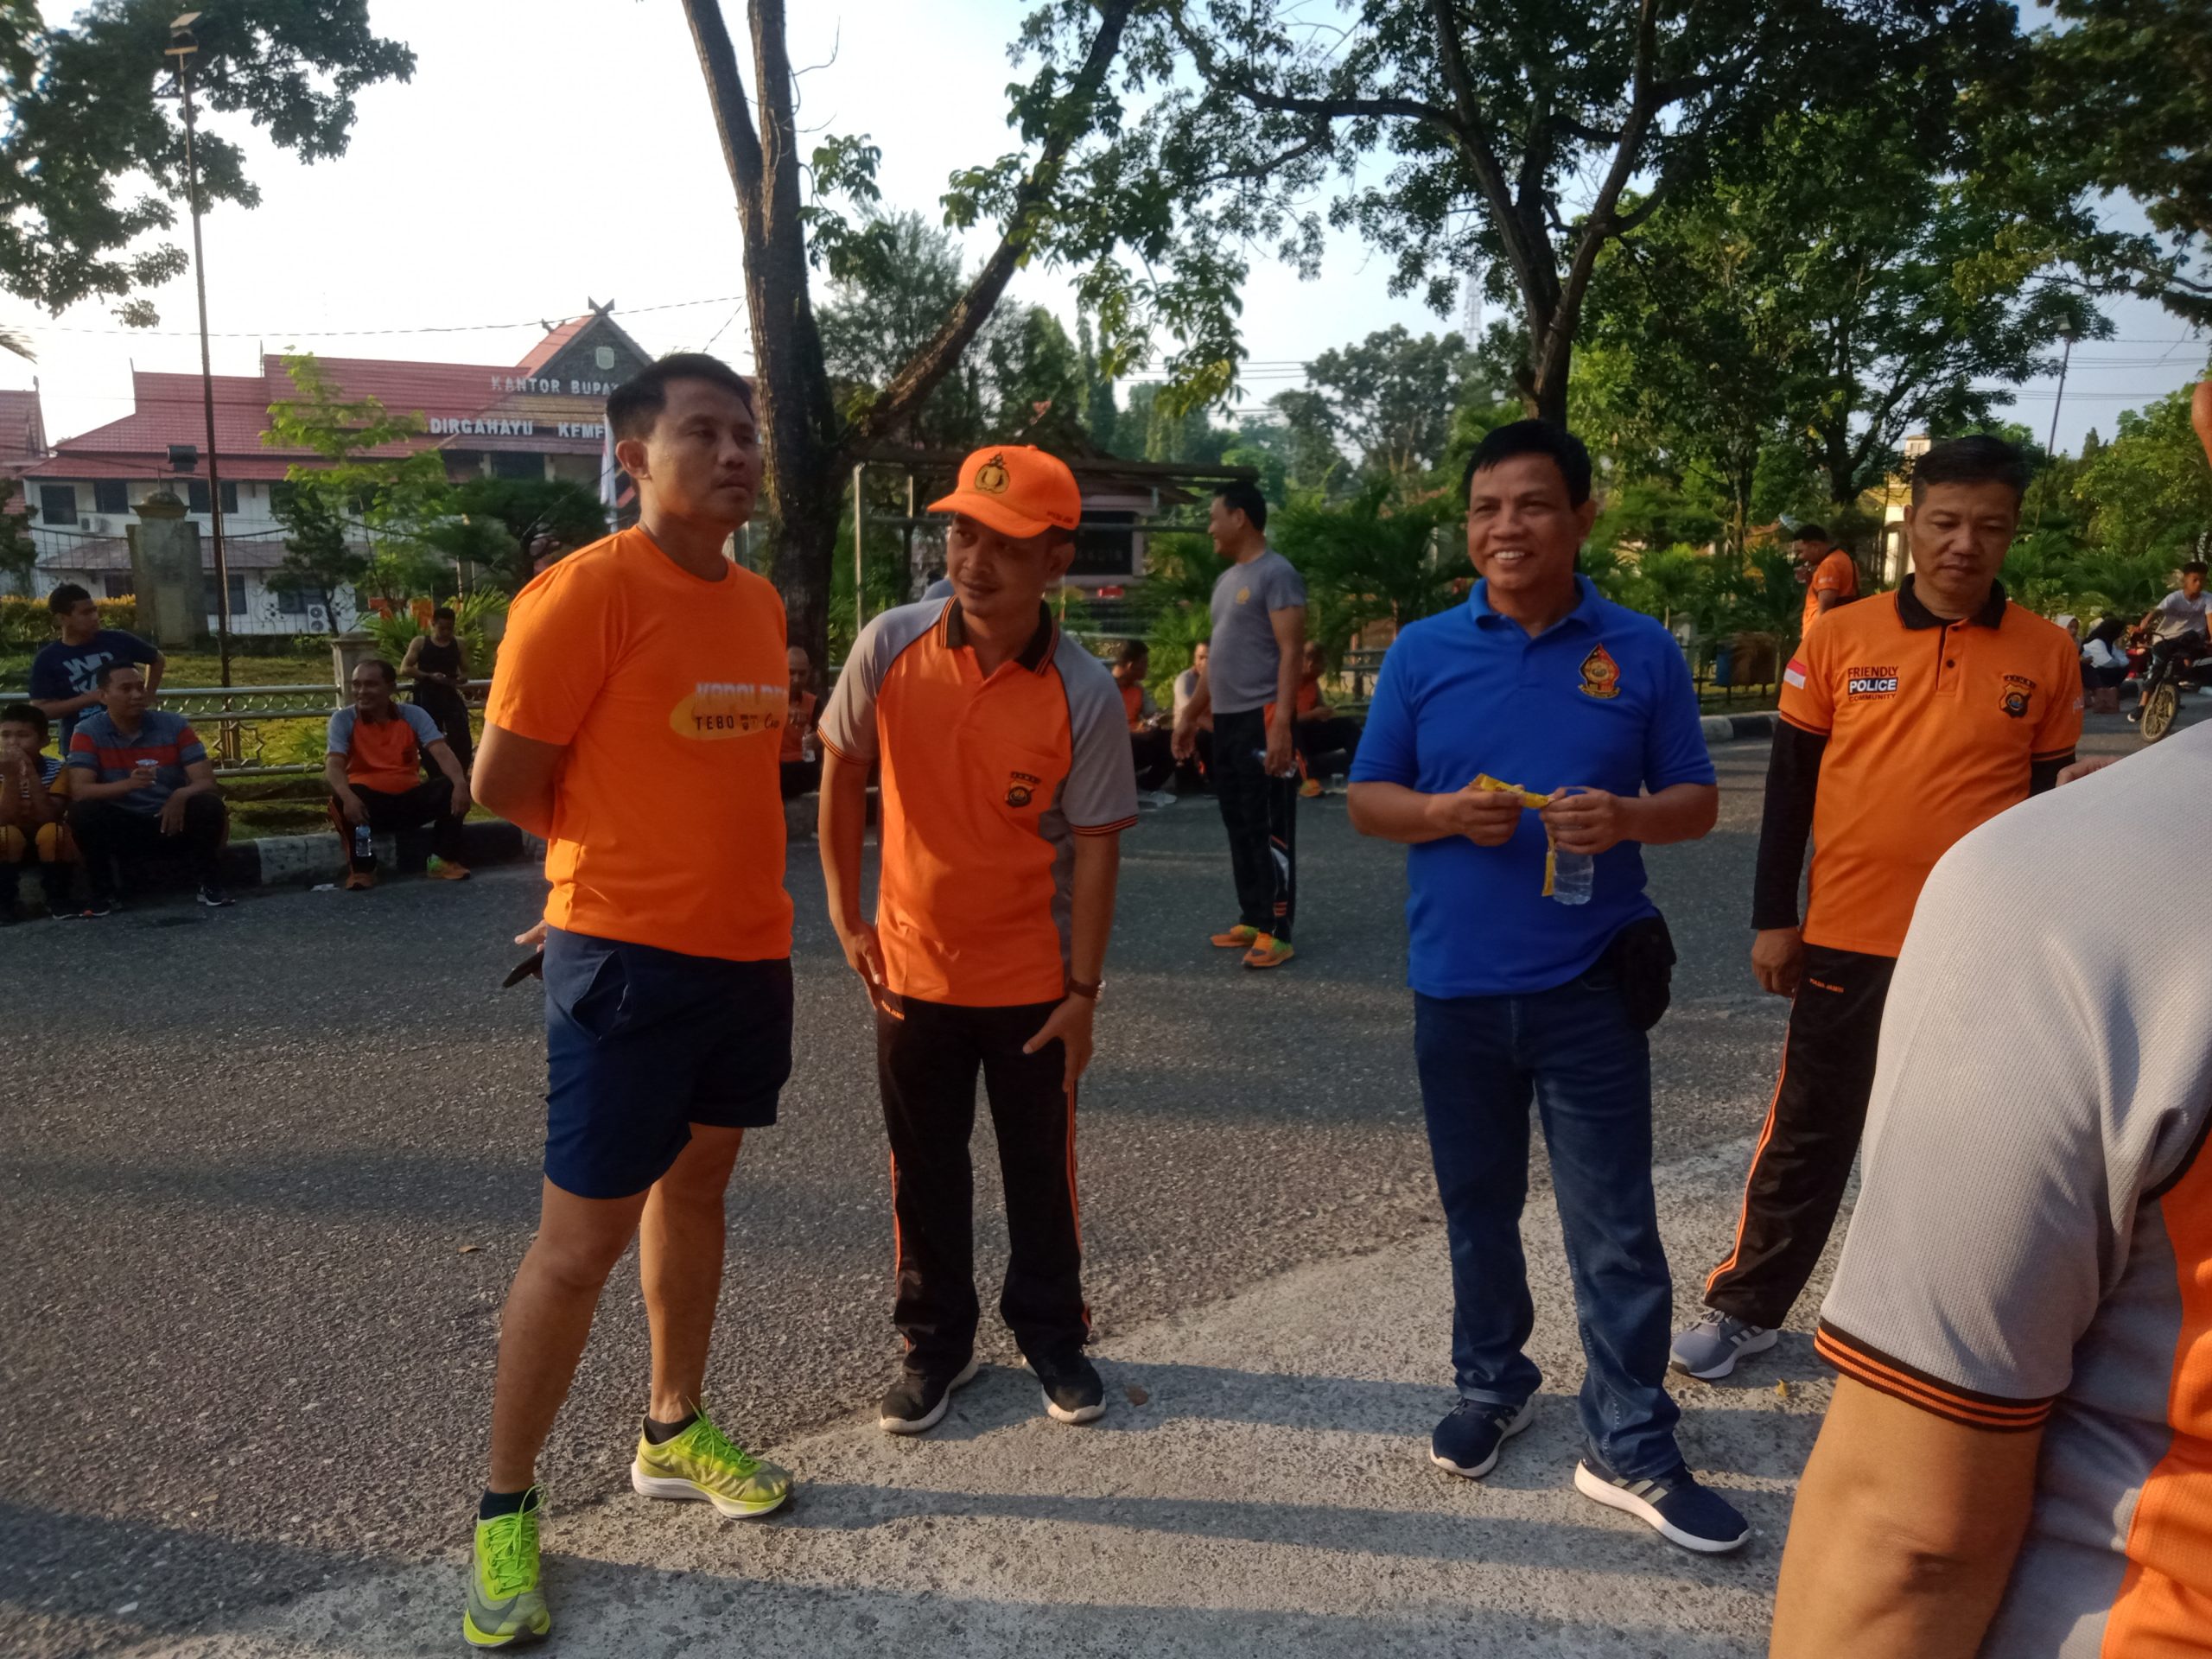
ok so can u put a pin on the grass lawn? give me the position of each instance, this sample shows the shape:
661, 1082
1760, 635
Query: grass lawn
199, 668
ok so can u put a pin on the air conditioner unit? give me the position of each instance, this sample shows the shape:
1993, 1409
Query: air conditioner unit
101, 526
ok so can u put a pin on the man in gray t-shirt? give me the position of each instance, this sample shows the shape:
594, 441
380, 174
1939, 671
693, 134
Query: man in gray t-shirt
1259, 633
2177, 624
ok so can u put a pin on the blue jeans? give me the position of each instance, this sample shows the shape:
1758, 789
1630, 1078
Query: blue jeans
1575, 1051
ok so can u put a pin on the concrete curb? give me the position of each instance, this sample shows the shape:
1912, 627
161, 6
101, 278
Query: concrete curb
276, 860
1737, 729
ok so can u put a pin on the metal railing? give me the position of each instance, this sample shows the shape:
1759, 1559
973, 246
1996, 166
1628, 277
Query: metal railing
238, 723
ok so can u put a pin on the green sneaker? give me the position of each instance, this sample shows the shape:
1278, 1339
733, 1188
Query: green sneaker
702, 1465
505, 1603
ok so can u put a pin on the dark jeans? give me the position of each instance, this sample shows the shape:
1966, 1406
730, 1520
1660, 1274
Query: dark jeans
1318, 740
926, 1063
450, 709
107, 834
1153, 753
1575, 1051
799, 778
1811, 1135
1261, 814
429, 803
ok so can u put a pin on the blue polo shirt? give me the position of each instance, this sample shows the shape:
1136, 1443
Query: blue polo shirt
1602, 698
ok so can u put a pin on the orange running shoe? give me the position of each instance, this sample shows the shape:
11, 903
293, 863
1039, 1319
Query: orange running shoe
1239, 937
1310, 790
1268, 952
444, 869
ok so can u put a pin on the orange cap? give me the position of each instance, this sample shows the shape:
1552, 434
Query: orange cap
1016, 489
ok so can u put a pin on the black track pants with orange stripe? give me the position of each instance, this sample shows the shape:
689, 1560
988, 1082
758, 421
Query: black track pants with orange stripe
1802, 1161
926, 1063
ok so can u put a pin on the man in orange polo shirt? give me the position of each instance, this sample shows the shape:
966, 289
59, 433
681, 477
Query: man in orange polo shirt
1830, 575
1906, 721
1006, 785
668, 982
373, 763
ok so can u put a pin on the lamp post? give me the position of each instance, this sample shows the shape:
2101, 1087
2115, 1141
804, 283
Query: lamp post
181, 45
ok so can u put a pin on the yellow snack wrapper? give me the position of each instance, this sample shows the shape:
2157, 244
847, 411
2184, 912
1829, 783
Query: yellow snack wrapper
1531, 801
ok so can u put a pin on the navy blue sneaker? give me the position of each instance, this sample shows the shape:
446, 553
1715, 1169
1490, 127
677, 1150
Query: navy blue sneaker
1674, 1506
1468, 1441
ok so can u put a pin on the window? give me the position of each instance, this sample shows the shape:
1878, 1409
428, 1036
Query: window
295, 601
111, 495
197, 501
116, 587
238, 594
507, 464
59, 502
1106, 545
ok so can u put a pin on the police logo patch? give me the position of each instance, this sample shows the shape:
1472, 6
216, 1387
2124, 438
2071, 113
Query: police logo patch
1022, 789
991, 477
2018, 691
1244, 594
1865, 685
1601, 675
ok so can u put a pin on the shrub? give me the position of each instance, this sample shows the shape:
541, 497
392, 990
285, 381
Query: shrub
28, 622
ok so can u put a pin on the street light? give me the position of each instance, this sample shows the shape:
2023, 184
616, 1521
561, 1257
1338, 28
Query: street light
181, 45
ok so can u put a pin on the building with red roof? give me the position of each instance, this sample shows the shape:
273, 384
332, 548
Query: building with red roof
543, 417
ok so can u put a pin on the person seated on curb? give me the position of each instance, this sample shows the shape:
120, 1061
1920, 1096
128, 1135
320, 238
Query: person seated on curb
1149, 741
1321, 732
1192, 775
33, 805
374, 768
799, 762
143, 788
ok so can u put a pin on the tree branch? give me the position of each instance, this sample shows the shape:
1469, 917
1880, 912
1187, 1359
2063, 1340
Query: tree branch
726, 93
936, 357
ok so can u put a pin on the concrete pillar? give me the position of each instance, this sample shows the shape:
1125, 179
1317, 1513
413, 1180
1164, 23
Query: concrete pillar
347, 652
165, 572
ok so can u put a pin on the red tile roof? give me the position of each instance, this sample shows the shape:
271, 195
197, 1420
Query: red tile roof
169, 409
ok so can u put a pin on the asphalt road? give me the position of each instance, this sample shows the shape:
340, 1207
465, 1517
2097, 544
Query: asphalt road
264, 1175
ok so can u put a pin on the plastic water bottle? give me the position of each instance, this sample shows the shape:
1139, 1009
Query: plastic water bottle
364, 848
1573, 874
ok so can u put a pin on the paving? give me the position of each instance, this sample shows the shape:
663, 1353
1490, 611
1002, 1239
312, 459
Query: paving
265, 1173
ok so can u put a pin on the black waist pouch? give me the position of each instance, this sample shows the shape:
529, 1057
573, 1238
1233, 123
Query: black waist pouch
1642, 957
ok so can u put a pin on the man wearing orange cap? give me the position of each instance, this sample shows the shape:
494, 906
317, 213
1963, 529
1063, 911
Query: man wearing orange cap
1006, 781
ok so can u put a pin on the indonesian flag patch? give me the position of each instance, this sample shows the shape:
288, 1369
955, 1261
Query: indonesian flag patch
1795, 674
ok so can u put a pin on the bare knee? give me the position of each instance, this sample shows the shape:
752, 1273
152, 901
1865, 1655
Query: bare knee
576, 1267
700, 1175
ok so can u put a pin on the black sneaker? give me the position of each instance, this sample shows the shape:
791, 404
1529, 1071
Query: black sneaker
1073, 1392
917, 1401
215, 898
1674, 1506
1468, 1441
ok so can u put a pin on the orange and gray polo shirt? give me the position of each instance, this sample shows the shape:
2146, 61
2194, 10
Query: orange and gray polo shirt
2032, 1245
986, 783
1933, 727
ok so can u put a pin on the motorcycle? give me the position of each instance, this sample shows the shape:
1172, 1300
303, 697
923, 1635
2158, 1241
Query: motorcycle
2161, 681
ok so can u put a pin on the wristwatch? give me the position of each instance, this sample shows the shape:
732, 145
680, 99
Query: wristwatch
1078, 988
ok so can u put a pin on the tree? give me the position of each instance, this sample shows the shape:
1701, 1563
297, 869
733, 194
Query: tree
491, 522
395, 495
1837, 282
321, 560
1391, 395
88, 126
2148, 491
1369, 559
1068, 193
1495, 117
2121, 90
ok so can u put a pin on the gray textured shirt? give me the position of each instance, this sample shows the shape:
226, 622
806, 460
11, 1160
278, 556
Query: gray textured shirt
1242, 658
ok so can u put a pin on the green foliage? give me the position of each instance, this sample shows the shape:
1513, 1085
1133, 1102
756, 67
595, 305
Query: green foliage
92, 156
471, 613
2120, 91
1369, 559
2148, 491
489, 523
1391, 396
26, 622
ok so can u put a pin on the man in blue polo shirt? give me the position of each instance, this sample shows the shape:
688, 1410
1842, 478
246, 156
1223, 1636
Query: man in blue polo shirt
1537, 683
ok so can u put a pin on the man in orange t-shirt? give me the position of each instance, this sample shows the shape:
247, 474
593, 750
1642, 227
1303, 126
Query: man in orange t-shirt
668, 937
798, 759
1830, 575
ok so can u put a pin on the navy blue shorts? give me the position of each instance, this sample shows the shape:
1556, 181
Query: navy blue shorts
640, 1044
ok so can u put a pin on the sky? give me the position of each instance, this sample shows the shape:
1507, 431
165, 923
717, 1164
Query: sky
559, 150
